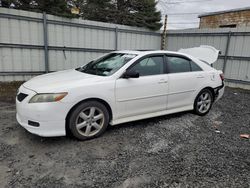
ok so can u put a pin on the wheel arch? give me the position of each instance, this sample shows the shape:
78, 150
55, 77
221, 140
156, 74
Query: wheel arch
211, 89
105, 103
213, 98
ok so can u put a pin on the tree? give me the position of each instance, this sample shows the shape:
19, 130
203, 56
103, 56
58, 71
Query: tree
55, 7
97, 10
141, 13
6, 3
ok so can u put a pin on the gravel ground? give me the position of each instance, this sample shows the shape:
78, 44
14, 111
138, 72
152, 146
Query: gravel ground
181, 150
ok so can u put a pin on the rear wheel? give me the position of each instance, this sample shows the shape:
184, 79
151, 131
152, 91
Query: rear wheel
203, 102
88, 120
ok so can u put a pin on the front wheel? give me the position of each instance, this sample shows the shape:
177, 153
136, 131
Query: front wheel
203, 102
88, 120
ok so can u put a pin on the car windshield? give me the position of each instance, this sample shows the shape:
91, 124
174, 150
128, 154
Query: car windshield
107, 65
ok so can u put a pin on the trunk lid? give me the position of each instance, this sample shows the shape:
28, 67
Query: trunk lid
204, 53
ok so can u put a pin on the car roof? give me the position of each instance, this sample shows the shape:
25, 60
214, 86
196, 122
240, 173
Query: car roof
205, 66
144, 52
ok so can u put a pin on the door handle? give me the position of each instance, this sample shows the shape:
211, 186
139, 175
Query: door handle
163, 81
199, 76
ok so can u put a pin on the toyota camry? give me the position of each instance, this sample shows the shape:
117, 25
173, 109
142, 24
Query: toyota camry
119, 87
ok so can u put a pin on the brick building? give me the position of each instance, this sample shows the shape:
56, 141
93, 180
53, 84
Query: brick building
229, 18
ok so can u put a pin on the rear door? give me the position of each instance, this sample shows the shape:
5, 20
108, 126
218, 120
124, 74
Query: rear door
185, 78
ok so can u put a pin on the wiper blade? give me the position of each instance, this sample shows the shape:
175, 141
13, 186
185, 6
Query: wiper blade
103, 69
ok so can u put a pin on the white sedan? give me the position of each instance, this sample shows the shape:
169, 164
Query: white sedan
119, 87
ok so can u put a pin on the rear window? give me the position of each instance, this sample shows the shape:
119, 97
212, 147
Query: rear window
195, 67
178, 64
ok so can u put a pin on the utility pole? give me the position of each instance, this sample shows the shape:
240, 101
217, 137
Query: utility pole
164, 34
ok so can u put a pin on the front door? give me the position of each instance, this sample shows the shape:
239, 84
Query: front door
146, 94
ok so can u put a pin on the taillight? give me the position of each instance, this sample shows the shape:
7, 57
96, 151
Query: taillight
222, 76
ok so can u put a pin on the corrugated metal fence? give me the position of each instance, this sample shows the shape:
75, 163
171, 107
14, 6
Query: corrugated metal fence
34, 43
233, 43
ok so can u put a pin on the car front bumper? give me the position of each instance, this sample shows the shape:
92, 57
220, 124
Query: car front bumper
43, 119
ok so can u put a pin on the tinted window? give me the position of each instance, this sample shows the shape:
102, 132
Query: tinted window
195, 67
149, 66
178, 64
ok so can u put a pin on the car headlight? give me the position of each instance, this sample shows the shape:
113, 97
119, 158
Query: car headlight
47, 97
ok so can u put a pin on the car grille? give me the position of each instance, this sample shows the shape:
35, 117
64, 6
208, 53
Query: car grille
21, 96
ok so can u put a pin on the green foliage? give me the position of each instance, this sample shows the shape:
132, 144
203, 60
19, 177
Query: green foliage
140, 13
97, 10
55, 7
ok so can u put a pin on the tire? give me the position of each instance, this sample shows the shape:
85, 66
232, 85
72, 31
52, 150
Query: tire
88, 120
203, 102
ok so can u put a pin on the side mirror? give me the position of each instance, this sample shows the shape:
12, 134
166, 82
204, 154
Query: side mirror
131, 74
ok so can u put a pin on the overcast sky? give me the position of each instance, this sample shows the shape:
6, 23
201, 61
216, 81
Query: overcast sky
194, 6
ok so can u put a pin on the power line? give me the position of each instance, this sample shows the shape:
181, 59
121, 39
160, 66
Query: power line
187, 27
173, 23
165, 8
185, 13
179, 23
180, 2
164, 5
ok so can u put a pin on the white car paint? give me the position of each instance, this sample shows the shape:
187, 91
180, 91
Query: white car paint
205, 53
129, 99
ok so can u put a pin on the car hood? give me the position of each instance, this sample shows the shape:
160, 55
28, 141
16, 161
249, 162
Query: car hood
59, 81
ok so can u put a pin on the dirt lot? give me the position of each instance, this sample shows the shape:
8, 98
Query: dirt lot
182, 150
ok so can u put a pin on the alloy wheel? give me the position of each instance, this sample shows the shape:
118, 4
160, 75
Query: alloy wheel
204, 102
90, 121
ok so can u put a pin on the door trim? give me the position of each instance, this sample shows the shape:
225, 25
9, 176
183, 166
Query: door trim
186, 91
145, 97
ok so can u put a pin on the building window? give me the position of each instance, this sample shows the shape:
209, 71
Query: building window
228, 26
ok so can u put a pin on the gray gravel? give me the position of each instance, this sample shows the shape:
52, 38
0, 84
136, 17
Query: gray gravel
181, 150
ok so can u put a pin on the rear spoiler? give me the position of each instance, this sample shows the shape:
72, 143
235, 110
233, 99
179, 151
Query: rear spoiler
205, 53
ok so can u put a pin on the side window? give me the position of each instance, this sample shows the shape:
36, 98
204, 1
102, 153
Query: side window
178, 64
195, 67
149, 66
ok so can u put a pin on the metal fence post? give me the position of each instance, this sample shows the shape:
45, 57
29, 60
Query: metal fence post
45, 38
164, 34
116, 38
226, 52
